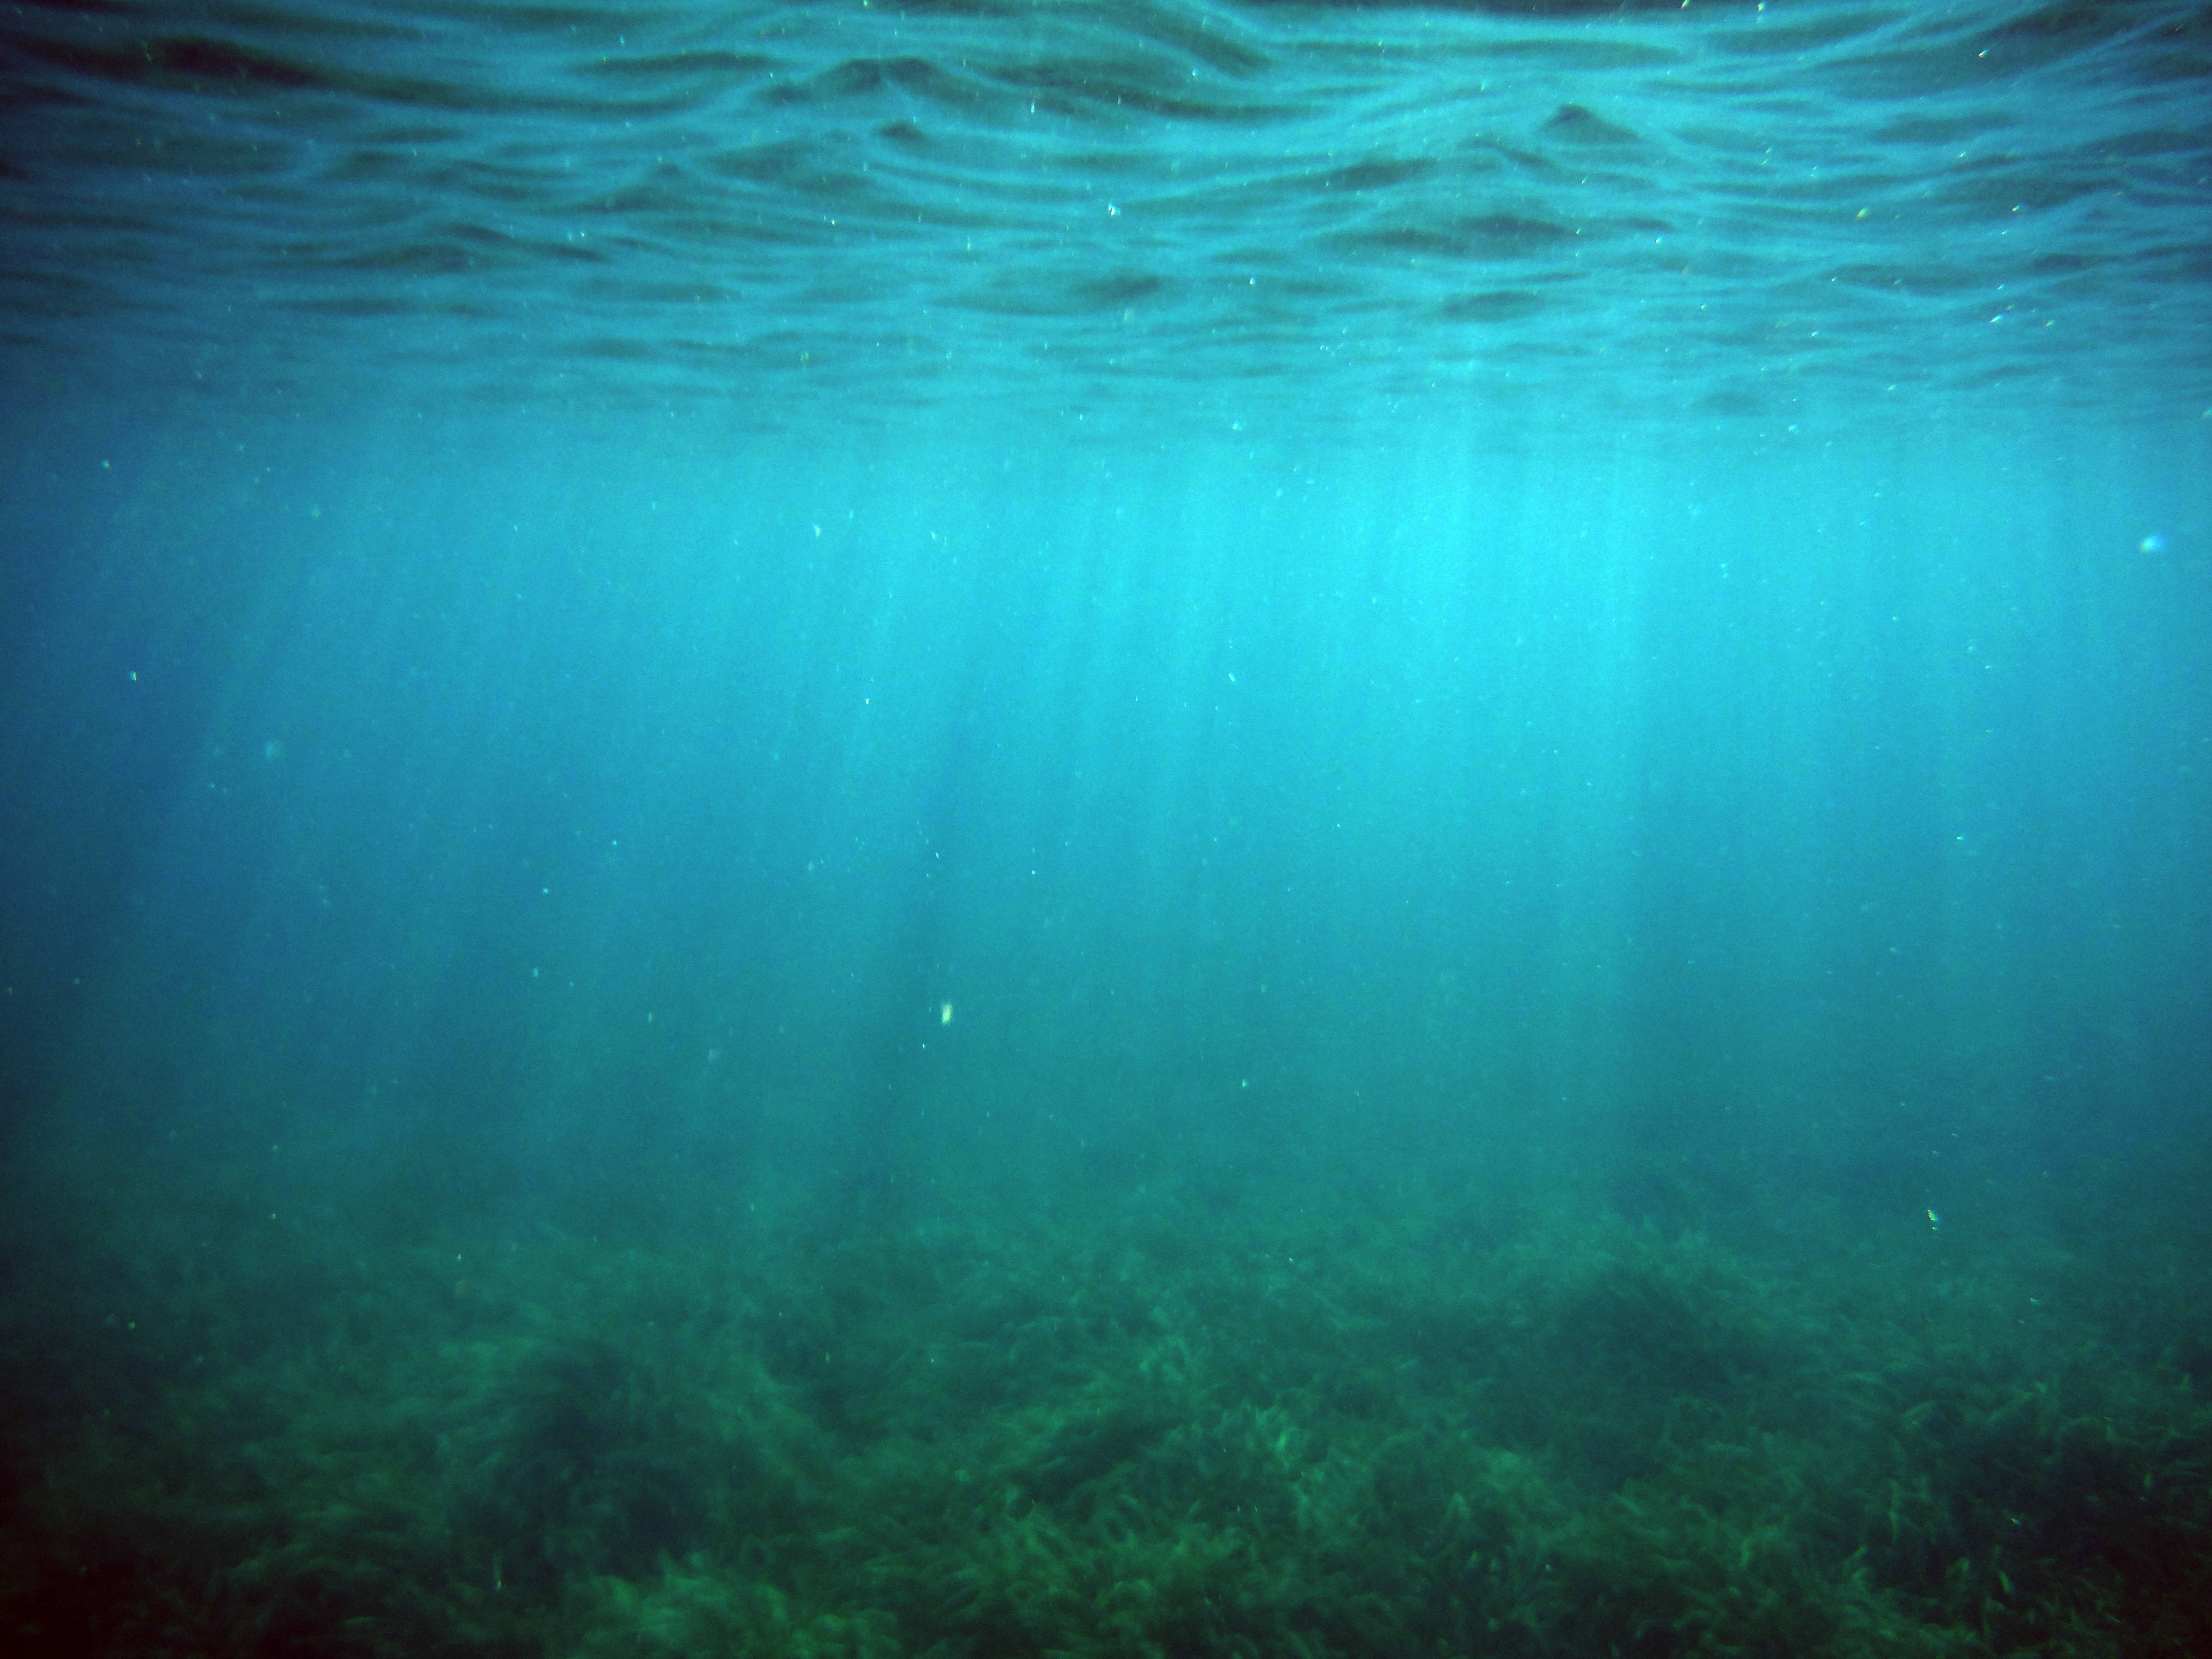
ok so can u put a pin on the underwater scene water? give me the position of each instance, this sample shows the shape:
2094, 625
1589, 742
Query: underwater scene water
1126, 828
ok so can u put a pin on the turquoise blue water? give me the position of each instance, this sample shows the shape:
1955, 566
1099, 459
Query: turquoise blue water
1278, 216
699, 631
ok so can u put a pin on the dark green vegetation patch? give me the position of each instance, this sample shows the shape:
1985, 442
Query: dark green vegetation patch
1251, 1419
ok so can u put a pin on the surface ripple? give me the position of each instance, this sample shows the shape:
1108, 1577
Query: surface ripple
887, 207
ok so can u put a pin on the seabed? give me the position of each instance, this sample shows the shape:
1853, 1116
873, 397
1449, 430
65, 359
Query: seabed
1237, 1413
